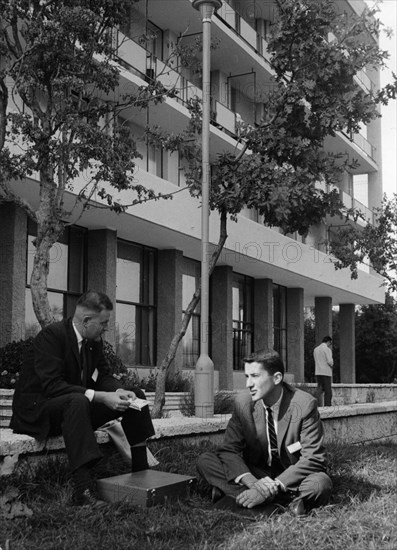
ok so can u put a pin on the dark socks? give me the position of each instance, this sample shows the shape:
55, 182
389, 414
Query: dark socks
82, 479
139, 458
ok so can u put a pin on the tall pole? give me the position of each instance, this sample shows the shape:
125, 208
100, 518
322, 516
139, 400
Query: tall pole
204, 373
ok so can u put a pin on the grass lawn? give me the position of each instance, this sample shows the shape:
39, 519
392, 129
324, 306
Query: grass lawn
361, 516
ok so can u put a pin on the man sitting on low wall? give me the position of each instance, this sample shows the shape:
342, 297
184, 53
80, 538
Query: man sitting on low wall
65, 387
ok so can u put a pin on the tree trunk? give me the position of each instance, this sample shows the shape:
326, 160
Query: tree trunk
49, 229
38, 283
159, 397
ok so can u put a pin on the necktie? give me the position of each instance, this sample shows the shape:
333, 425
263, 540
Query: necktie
272, 437
83, 362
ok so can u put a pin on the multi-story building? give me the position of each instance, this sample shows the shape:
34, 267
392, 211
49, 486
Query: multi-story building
148, 258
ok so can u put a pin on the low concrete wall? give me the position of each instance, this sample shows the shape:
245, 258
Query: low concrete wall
349, 394
362, 423
174, 401
372, 422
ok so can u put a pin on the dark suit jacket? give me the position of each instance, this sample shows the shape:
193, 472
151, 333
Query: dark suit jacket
52, 369
298, 422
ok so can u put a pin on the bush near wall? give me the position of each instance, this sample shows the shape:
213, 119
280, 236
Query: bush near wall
13, 354
11, 358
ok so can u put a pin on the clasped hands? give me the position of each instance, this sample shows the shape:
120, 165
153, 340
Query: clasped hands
262, 490
118, 400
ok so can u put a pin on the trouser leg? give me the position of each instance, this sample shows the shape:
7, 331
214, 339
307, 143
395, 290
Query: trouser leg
137, 425
319, 392
70, 415
315, 489
211, 468
327, 391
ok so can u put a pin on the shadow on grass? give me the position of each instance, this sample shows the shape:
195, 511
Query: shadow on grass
364, 478
347, 487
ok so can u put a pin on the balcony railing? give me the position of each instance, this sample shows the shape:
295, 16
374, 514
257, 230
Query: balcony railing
362, 143
243, 29
150, 67
365, 80
351, 202
365, 211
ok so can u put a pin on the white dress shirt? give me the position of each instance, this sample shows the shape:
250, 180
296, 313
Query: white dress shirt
323, 360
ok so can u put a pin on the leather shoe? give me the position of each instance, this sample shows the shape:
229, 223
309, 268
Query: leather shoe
297, 507
216, 494
88, 498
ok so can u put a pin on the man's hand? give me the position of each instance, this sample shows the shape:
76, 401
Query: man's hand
268, 484
263, 490
128, 394
116, 401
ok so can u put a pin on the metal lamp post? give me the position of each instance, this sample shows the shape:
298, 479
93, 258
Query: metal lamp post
204, 373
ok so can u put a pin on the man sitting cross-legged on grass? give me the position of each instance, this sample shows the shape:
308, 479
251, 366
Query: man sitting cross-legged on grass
65, 387
273, 448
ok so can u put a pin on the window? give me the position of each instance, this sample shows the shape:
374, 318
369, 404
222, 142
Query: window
191, 340
280, 321
135, 304
66, 278
243, 322
154, 40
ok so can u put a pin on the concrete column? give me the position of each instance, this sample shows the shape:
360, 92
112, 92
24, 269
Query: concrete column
169, 304
263, 314
101, 268
295, 334
347, 339
13, 231
222, 325
323, 318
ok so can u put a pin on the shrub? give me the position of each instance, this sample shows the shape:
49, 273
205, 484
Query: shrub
116, 365
223, 403
11, 358
13, 354
177, 382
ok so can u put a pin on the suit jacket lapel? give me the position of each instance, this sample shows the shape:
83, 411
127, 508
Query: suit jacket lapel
260, 424
284, 416
73, 340
74, 349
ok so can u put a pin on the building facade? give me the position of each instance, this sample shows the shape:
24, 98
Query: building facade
148, 258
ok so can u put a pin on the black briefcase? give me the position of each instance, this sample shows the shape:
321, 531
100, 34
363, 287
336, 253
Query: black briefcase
145, 488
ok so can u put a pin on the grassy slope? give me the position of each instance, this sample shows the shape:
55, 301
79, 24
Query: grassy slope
362, 514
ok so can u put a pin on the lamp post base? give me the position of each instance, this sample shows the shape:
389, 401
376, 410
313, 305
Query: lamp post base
204, 387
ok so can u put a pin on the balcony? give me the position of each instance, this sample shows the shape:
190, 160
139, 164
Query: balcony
351, 202
365, 81
243, 29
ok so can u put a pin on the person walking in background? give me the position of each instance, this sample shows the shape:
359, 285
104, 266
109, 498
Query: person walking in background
323, 370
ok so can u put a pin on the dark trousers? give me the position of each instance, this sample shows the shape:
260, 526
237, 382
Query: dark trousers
315, 489
76, 418
324, 386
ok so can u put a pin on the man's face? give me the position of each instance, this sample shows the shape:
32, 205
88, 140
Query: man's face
260, 383
95, 324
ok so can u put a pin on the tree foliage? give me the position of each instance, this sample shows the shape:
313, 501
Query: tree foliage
376, 342
374, 244
58, 57
60, 117
315, 52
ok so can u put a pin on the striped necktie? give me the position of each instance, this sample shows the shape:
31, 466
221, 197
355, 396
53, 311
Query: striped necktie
272, 437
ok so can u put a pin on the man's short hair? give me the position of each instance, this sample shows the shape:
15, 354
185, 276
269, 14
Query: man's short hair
95, 301
327, 339
269, 359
